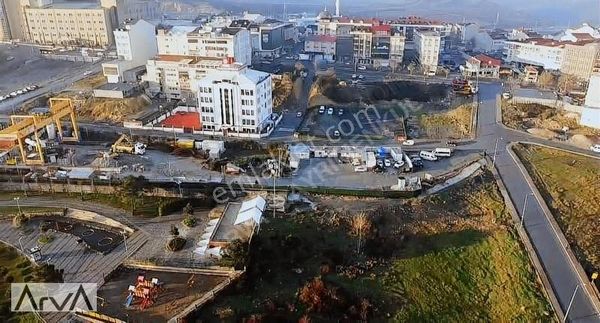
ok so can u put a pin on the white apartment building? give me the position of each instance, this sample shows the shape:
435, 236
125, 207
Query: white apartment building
176, 77
590, 116
323, 44
136, 44
428, 45
236, 99
206, 42
546, 53
70, 23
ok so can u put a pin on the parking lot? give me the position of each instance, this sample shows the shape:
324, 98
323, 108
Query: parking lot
333, 172
352, 121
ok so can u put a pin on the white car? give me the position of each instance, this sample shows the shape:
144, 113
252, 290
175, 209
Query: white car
380, 163
362, 67
299, 114
340, 112
354, 76
336, 133
360, 77
330, 111
595, 148
408, 142
360, 169
322, 109
399, 164
387, 163
19, 92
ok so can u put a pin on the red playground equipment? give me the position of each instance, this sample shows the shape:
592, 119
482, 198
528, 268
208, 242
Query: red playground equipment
145, 291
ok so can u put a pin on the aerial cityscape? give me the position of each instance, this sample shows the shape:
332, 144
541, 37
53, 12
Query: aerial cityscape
299, 161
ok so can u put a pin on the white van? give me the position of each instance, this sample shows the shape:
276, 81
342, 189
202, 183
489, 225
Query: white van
442, 152
428, 155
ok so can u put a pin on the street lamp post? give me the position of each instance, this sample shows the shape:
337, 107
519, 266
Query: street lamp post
570, 303
495, 151
18, 204
524, 208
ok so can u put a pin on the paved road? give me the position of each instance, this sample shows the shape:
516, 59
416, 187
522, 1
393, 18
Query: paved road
561, 272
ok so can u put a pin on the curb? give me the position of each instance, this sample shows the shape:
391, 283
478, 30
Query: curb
588, 287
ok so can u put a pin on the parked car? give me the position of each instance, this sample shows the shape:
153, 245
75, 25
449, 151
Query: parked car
336, 133
360, 77
595, 148
330, 111
354, 76
322, 109
417, 162
442, 152
380, 163
362, 67
398, 164
360, 169
340, 112
428, 155
408, 142
387, 163
299, 114
356, 162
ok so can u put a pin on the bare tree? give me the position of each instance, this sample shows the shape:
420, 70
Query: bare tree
411, 67
546, 80
360, 226
566, 83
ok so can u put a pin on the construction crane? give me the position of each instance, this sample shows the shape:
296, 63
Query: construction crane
24, 126
125, 145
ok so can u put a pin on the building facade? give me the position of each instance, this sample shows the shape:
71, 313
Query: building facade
77, 23
175, 77
136, 44
546, 53
235, 98
581, 60
482, 66
4, 24
206, 42
323, 44
428, 45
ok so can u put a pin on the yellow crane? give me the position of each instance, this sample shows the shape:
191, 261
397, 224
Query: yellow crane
23, 126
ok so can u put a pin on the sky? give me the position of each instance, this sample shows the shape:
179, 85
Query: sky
528, 13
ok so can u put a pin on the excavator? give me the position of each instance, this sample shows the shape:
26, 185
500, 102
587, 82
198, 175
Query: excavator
125, 145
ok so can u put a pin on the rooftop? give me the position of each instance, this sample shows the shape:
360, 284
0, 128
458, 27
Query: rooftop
487, 60
74, 5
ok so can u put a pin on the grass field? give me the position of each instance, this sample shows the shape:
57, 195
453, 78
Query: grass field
13, 268
13, 210
571, 187
445, 258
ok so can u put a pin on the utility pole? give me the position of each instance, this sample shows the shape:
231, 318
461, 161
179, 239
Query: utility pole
18, 204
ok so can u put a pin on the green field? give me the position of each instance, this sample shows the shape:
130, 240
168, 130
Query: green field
445, 258
570, 186
13, 268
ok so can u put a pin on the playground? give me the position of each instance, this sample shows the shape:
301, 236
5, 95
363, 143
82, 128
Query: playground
138, 295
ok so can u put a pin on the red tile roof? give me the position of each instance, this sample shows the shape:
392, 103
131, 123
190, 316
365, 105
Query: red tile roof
183, 120
489, 61
384, 28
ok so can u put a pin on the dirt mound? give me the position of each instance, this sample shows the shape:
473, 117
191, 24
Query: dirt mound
112, 110
543, 133
455, 123
282, 89
581, 141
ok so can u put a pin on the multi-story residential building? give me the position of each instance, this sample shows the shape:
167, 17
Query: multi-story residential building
409, 25
269, 37
522, 34
175, 77
136, 44
70, 23
590, 116
546, 53
323, 44
362, 39
580, 59
428, 46
482, 66
4, 24
235, 98
14, 11
206, 42
585, 32
133, 9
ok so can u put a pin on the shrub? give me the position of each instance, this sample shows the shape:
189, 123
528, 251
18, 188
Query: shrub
174, 231
236, 254
176, 244
19, 220
189, 221
45, 238
320, 298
